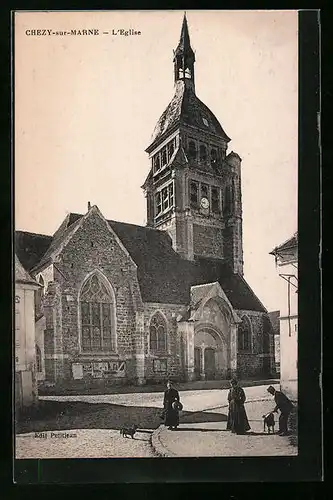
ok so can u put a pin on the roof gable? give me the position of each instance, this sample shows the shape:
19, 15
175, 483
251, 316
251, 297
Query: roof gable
61, 238
201, 294
66, 231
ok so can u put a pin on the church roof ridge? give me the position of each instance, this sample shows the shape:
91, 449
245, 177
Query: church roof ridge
148, 228
78, 216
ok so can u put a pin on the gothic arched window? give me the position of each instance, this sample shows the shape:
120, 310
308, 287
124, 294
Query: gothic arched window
244, 335
38, 359
97, 308
157, 334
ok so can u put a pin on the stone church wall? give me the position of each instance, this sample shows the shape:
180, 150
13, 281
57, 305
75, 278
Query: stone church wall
160, 366
92, 247
258, 361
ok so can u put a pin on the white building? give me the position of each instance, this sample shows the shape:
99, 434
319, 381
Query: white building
274, 317
26, 361
286, 258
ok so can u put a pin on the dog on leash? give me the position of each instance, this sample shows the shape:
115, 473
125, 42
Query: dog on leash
128, 431
269, 422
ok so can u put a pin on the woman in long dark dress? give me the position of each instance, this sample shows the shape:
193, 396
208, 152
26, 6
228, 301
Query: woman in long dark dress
237, 418
171, 415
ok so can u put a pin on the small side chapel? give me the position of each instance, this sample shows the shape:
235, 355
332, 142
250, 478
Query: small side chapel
129, 304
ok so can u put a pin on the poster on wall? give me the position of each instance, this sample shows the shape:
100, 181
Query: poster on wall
77, 370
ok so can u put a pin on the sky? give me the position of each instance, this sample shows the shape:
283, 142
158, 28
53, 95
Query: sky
86, 106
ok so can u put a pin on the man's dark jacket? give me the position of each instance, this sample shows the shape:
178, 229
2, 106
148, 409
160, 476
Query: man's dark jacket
282, 402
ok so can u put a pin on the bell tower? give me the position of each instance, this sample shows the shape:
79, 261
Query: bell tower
193, 188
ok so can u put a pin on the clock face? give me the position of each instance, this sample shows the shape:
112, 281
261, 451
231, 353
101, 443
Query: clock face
204, 203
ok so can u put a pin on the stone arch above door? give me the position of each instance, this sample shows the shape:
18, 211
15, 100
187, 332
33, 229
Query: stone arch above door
209, 299
211, 353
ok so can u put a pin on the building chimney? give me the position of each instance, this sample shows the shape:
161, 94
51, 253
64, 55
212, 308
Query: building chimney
89, 206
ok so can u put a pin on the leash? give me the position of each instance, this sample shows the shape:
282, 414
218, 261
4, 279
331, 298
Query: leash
226, 406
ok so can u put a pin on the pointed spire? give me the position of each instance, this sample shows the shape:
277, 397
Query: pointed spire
184, 57
184, 46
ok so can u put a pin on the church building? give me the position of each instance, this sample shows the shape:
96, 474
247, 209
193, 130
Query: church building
129, 304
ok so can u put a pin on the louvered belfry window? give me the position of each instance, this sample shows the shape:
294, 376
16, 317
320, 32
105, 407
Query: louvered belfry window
97, 316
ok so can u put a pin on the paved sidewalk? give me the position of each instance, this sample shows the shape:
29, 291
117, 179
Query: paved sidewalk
212, 439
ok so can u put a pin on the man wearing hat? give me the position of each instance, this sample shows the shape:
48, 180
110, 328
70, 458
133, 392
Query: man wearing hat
285, 406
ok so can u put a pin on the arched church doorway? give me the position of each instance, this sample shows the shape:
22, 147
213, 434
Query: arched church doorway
210, 354
210, 364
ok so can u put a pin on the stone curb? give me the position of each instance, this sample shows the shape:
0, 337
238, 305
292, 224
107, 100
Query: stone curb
160, 450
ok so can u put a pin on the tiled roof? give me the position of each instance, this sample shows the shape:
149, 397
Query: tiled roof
290, 243
186, 109
163, 275
235, 287
31, 247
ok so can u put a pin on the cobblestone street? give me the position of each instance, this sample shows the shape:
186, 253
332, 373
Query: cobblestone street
94, 422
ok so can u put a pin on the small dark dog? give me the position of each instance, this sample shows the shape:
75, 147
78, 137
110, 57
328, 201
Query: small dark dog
128, 431
269, 422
